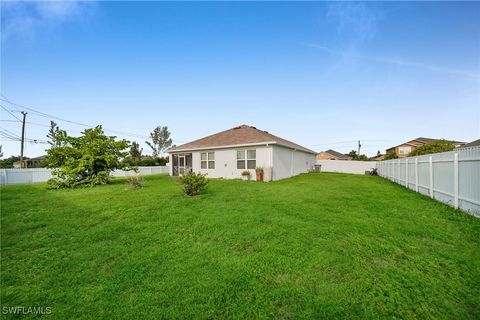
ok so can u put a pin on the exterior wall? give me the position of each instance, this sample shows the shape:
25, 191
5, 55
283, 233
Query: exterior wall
288, 162
284, 162
404, 155
226, 162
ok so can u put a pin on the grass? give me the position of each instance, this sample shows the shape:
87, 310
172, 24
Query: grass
313, 246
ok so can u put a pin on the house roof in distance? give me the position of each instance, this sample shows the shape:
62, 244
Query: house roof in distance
242, 135
337, 154
421, 140
474, 143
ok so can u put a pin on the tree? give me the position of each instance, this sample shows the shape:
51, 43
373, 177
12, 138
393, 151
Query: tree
391, 155
8, 162
1, 151
433, 147
56, 135
136, 152
87, 160
160, 140
354, 156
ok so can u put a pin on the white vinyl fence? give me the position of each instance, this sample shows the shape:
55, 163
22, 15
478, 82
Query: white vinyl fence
451, 177
347, 166
17, 176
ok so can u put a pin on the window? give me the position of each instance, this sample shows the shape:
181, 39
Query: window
207, 160
404, 150
246, 159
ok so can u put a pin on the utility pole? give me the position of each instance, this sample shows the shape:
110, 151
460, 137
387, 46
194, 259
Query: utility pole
359, 146
23, 139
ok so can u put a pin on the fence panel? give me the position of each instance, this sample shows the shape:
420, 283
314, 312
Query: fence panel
32, 175
356, 167
450, 177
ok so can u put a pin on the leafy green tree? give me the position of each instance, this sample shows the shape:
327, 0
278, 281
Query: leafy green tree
433, 147
8, 163
354, 156
56, 135
87, 160
391, 155
136, 152
160, 140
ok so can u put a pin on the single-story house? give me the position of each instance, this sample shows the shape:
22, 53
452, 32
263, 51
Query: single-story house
404, 149
30, 162
228, 153
332, 155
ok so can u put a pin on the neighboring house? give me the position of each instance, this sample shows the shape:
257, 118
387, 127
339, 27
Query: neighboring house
228, 153
332, 155
379, 157
475, 143
30, 163
404, 149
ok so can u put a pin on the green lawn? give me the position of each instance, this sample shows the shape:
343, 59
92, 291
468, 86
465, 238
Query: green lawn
313, 246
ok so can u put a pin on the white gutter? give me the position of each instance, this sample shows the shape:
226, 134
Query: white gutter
266, 143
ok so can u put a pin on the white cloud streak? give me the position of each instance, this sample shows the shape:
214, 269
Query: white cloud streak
25, 19
398, 62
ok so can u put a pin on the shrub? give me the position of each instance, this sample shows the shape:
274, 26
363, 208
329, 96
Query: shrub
135, 181
194, 183
246, 173
85, 161
433, 147
391, 155
259, 170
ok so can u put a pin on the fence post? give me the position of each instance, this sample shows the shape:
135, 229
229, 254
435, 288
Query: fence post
406, 172
430, 165
399, 180
416, 174
455, 180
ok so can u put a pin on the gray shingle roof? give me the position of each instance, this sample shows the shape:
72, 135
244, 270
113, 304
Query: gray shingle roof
241, 135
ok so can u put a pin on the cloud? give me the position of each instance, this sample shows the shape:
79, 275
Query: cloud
24, 19
354, 20
397, 62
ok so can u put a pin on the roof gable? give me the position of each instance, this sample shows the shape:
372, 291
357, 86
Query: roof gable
241, 135
337, 154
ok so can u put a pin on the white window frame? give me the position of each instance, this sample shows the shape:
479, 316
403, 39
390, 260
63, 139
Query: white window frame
209, 160
245, 158
404, 150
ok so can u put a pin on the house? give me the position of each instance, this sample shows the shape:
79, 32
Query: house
228, 153
30, 163
475, 143
404, 149
332, 155
378, 157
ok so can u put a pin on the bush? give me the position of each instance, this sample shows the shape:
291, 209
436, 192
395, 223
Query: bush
85, 161
246, 173
391, 155
194, 183
433, 147
135, 182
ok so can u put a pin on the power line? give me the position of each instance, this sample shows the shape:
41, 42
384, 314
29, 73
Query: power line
11, 113
46, 115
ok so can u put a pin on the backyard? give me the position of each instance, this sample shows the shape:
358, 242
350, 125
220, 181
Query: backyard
312, 246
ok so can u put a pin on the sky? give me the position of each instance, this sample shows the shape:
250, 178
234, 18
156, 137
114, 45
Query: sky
322, 74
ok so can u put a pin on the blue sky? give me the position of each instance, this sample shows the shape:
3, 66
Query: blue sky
322, 74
